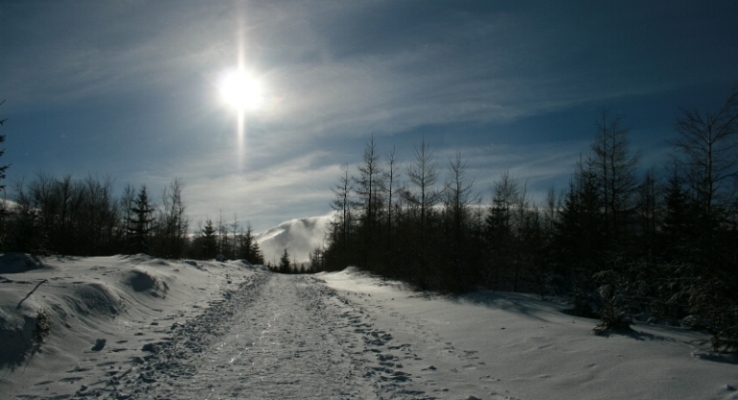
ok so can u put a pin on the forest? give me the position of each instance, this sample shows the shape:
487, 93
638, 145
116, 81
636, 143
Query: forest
658, 246
82, 217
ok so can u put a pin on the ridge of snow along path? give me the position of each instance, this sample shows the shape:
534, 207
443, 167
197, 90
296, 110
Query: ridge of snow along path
135, 327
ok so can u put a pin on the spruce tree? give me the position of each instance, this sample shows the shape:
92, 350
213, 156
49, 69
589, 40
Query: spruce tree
256, 256
285, 266
2, 151
248, 248
140, 223
209, 240
3, 206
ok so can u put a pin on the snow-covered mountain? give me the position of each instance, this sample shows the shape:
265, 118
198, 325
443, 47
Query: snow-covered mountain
299, 236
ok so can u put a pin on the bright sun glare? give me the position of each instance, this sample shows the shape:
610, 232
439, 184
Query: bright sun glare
241, 90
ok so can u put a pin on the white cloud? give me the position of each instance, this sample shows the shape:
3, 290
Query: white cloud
265, 195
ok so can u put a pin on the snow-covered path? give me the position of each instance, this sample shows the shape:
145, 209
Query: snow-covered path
275, 336
135, 327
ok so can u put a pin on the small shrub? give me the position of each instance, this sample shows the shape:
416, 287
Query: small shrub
43, 327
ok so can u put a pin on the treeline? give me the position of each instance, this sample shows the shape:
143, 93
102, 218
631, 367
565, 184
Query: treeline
83, 217
659, 246
287, 266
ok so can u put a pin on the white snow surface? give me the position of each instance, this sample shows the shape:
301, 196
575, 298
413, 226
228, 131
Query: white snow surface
136, 327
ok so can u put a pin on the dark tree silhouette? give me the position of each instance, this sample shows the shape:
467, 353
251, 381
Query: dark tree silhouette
285, 266
3, 168
613, 169
172, 223
248, 247
208, 241
422, 196
3, 206
341, 225
141, 223
707, 157
458, 199
369, 187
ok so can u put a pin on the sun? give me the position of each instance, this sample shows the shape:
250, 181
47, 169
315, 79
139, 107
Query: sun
241, 90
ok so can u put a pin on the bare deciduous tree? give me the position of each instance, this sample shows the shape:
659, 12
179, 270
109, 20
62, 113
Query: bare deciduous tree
707, 150
614, 172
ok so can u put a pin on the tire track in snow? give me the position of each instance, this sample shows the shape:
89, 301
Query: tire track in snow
276, 336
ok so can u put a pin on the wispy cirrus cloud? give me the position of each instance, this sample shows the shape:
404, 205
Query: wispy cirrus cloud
129, 88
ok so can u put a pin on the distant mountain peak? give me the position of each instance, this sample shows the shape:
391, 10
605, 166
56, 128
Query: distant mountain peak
299, 236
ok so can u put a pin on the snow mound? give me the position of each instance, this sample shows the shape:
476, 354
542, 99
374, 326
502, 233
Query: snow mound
19, 333
95, 298
13, 263
142, 258
145, 281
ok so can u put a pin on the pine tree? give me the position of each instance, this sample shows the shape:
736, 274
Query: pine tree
140, 223
2, 151
248, 248
499, 227
285, 266
3, 206
579, 223
209, 240
257, 256
678, 225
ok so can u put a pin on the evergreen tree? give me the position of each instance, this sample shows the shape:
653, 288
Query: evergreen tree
209, 241
256, 254
499, 227
285, 266
141, 223
2, 151
248, 248
3, 206
647, 207
579, 232
679, 223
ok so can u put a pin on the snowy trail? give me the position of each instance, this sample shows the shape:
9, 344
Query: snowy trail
276, 336
216, 330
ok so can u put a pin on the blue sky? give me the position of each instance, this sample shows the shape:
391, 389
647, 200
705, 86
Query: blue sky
129, 89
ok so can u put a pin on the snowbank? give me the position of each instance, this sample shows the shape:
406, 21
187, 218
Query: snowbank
100, 308
499, 345
13, 263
